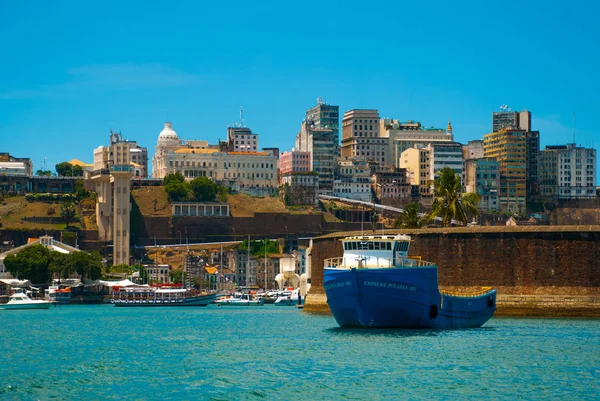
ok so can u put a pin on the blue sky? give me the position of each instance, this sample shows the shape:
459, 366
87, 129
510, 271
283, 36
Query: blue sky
71, 71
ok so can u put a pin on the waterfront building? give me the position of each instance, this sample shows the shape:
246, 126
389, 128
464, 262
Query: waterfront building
482, 176
320, 144
508, 147
112, 183
325, 116
568, 171
15, 166
353, 180
361, 139
158, 273
405, 135
138, 155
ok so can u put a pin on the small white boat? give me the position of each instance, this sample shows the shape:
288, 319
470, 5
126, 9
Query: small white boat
242, 300
22, 301
288, 298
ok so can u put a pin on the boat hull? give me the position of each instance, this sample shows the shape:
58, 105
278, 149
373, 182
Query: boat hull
240, 303
40, 305
202, 300
401, 298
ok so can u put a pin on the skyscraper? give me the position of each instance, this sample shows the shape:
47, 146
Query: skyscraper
505, 118
508, 147
360, 137
325, 116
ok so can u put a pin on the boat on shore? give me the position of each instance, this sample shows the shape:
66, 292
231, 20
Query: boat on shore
21, 301
58, 294
377, 285
149, 296
240, 300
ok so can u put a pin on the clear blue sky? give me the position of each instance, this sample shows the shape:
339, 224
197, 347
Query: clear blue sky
71, 71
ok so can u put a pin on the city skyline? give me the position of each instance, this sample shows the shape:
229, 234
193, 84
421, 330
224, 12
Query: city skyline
68, 85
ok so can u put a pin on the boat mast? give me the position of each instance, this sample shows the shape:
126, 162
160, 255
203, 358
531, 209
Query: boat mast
266, 265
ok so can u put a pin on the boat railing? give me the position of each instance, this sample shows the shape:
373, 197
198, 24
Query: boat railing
470, 294
357, 263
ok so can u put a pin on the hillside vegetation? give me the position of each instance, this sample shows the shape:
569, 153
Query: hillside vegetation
18, 213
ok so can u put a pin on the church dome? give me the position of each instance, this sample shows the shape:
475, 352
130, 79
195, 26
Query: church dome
168, 137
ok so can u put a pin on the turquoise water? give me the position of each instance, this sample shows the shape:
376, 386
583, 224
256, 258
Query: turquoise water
280, 353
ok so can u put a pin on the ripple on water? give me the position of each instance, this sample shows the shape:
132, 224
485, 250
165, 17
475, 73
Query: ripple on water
102, 352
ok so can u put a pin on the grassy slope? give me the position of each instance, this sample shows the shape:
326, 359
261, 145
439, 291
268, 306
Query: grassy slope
14, 209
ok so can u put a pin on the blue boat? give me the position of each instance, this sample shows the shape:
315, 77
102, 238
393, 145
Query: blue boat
377, 285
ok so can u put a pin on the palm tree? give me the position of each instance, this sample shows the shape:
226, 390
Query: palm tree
449, 200
68, 212
409, 217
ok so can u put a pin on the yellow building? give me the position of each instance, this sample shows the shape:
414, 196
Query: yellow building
417, 163
508, 146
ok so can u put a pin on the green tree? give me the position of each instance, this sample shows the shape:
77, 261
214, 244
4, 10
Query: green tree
31, 263
176, 187
68, 212
449, 200
81, 192
87, 265
204, 189
409, 217
43, 173
177, 275
66, 169
60, 264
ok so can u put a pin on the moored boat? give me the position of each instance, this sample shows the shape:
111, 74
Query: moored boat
22, 301
241, 300
376, 284
148, 296
289, 297
55, 293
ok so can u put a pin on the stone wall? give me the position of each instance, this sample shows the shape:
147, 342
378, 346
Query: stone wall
527, 262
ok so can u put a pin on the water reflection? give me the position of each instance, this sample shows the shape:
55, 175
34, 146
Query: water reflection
397, 332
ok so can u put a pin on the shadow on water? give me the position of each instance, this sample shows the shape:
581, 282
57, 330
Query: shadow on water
395, 332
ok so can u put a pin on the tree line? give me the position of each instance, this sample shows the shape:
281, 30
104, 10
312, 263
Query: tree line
38, 264
200, 189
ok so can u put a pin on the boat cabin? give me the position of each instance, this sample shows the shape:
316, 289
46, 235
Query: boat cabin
377, 251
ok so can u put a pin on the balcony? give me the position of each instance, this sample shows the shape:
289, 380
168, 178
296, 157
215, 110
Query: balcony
121, 168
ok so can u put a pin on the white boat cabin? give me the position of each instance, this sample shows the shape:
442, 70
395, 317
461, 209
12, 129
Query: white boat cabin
375, 252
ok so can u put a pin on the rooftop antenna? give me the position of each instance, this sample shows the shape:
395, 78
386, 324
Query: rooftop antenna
242, 115
573, 126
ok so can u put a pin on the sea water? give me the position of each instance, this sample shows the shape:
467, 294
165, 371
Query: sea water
100, 352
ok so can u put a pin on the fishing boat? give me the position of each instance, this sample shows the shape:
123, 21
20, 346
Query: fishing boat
21, 301
149, 296
376, 284
240, 300
58, 294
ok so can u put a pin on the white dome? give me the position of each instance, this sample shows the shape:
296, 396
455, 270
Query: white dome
168, 137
